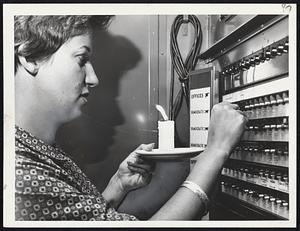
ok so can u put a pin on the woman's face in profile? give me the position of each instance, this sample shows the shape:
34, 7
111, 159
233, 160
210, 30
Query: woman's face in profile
64, 79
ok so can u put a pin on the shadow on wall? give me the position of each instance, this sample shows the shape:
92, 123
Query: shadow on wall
88, 138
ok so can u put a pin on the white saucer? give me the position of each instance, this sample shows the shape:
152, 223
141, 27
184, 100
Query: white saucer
172, 154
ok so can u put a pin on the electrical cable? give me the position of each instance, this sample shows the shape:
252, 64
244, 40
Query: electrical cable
181, 67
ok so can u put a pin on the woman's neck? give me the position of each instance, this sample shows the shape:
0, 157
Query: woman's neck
32, 114
43, 130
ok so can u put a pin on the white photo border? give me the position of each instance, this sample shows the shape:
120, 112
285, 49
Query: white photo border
9, 10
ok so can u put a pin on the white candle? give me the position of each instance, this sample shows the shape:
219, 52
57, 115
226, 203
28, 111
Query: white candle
166, 135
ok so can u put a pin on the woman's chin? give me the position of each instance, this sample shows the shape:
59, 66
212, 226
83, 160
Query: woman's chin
74, 115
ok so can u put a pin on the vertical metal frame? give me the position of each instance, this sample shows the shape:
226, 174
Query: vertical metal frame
153, 71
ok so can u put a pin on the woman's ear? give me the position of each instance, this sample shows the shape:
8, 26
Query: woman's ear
31, 67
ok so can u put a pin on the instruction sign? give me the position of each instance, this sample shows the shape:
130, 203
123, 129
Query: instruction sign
200, 83
199, 116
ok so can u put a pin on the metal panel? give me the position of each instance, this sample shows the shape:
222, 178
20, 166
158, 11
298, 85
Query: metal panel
251, 28
277, 69
261, 40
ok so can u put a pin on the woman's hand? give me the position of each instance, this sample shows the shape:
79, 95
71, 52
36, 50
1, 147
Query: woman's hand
135, 172
227, 124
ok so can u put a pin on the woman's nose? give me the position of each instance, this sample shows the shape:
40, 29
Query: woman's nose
91, 77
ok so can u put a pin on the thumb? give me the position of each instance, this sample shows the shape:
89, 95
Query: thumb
146, 147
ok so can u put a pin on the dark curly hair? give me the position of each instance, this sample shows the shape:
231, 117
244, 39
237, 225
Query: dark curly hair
37, 37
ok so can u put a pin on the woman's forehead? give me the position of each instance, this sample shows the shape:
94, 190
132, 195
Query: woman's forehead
80, 42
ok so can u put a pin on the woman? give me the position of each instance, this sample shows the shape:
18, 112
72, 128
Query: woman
53, 77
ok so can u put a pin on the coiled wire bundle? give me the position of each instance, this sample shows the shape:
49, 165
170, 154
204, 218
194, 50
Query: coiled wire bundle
181, 67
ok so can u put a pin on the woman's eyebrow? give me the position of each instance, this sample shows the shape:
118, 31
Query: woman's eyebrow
84, 48
87, 48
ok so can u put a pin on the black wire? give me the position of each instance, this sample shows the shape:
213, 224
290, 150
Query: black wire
181, 67
171, 94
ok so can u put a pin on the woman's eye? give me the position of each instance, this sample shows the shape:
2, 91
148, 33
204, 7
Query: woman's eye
83, 59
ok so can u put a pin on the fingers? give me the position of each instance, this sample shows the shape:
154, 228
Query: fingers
146, 176
225, 105
227, 125
145, 162
138, 169
235, 107
143, 167
146, 147
231, 105
245, 119
134, 157
243, 113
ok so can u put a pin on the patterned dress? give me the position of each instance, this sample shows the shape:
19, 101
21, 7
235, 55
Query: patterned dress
50, 186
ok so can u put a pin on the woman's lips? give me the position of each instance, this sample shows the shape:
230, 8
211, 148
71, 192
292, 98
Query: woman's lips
84, 97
